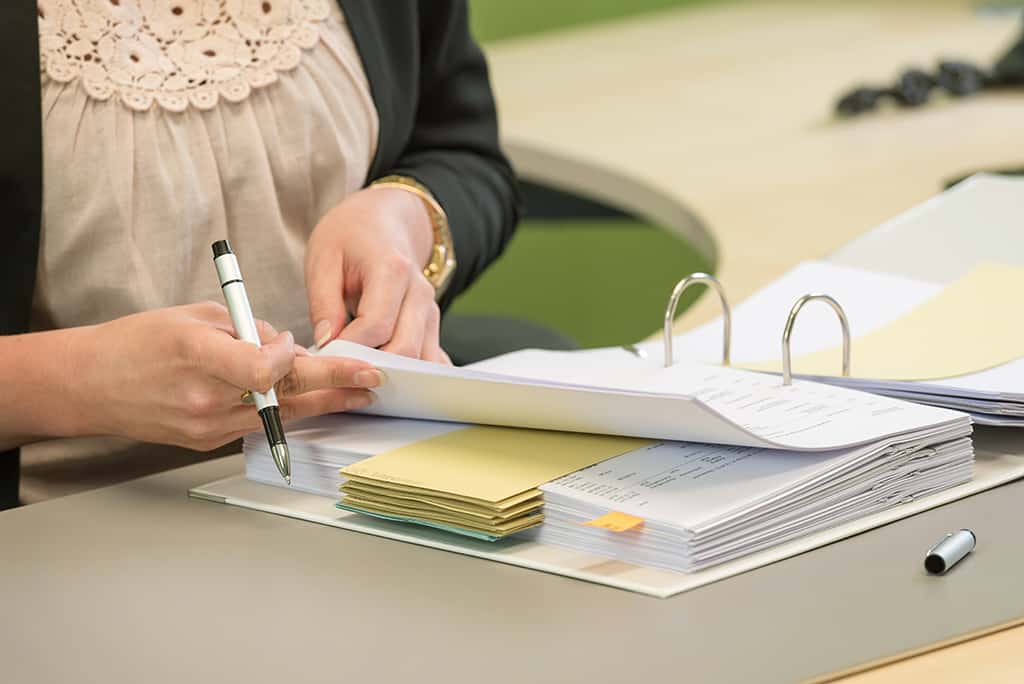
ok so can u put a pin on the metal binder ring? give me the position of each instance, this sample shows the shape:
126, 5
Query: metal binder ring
787, 366
673, 302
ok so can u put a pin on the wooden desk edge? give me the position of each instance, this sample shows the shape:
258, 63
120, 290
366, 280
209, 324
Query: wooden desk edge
923, 650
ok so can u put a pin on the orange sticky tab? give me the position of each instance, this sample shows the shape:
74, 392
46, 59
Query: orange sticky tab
616, 522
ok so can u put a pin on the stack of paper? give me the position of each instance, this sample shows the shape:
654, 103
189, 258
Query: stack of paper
823, 454
674, 505
479, 481
321, 447
686, 507
952, 346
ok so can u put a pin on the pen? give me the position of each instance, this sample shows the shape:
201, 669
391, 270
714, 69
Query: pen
230, 276
948, 551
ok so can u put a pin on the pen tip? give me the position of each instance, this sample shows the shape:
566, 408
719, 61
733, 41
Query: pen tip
288, 479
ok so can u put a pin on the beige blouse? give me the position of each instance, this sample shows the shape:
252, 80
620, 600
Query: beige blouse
167, 125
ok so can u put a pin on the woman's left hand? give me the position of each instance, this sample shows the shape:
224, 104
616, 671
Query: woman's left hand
367, 256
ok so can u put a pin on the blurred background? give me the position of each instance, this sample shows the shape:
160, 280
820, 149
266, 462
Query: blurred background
567, 242
751, 142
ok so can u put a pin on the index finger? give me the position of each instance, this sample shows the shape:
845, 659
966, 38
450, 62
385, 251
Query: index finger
377, 313
241, 363
311, 373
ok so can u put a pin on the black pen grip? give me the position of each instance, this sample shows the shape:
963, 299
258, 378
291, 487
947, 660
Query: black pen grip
271, 417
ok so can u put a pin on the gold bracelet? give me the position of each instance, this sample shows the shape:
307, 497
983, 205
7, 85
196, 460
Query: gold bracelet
441, 267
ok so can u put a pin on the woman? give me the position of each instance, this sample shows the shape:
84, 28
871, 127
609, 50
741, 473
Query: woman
159, 126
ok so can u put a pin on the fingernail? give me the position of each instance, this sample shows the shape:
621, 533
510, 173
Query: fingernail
369, 378
289, 339
359, 401
301, 351
322, 333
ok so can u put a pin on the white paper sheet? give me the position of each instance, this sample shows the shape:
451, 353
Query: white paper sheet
703, 504
684, 484
683, 403
871, 300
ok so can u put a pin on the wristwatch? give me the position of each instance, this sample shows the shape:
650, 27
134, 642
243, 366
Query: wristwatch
441, 267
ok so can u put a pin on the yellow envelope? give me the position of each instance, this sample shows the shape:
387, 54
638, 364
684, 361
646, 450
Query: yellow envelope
388, 497
406, 490
490, 463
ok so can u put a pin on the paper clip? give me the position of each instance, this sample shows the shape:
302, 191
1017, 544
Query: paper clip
670, 313
787, 369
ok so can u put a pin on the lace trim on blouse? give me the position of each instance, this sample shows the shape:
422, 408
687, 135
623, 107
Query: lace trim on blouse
175, 53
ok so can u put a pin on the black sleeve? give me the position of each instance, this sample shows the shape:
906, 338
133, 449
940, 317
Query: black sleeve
21, 174
453, 148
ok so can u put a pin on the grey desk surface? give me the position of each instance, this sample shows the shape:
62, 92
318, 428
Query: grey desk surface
140, 583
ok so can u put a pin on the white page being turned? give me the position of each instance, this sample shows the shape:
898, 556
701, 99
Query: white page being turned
682, 403
427, 391
802, 416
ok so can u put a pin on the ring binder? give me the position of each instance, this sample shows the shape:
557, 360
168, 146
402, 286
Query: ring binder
787, 370
670, 312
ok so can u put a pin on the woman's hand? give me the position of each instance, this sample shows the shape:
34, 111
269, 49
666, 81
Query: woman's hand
176, 376
367, 256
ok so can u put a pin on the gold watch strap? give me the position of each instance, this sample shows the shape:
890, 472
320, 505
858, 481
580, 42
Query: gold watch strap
442, 262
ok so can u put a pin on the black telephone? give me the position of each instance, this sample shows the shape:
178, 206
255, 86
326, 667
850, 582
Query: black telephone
959, 79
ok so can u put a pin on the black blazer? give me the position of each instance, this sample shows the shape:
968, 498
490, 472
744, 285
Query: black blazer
429, 82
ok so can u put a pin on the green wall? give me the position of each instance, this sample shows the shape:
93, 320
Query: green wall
497, 19
599, 281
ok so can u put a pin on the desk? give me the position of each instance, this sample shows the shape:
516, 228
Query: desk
720, 121
139, 583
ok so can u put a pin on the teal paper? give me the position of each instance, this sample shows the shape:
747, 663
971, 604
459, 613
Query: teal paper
416, 521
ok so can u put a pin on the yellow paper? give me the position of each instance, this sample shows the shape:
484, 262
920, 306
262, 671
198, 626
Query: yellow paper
970, 326
490, 463
616, 522
406, 490
429, 505
496, 529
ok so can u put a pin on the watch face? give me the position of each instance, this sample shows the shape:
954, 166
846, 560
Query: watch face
443, 277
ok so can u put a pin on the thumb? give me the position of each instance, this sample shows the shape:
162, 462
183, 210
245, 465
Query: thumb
325, 285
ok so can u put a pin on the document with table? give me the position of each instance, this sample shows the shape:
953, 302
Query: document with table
681, 474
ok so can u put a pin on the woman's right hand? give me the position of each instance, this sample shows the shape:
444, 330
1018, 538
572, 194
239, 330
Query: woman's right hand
176, 376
